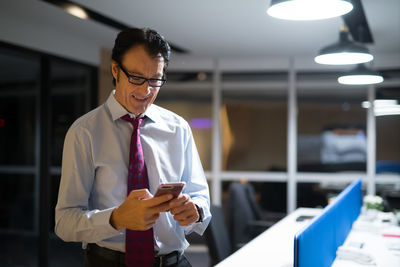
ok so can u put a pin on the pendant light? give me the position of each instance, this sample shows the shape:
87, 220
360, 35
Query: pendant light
361, 75
308, 9
383, 107
344, 52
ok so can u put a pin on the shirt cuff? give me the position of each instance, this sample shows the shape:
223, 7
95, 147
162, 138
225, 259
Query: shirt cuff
101, 221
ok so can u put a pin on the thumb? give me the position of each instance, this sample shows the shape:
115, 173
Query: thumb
140, 194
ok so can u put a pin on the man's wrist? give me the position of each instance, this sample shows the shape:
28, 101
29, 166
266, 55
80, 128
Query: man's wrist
114, 219
200, 212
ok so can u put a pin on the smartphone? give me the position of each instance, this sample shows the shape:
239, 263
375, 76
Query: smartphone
170, 188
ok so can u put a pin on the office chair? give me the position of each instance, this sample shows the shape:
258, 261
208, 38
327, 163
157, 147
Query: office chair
216, 237
245, 217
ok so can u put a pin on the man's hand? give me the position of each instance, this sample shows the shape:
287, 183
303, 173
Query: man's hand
139, 211
184, 210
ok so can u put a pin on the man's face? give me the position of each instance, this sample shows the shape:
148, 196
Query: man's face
136, 61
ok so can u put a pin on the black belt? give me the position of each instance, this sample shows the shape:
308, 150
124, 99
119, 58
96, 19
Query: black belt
117, 256
169, 259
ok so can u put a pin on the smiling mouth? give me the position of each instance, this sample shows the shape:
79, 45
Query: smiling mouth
141, 99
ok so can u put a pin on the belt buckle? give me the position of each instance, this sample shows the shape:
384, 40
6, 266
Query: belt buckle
169, 259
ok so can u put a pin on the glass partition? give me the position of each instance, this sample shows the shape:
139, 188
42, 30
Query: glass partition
19, 88
23, 77
195, 107
388, 131
331, 130
70, 85
254, 132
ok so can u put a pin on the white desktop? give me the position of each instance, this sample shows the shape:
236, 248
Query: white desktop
376, 236
274, 247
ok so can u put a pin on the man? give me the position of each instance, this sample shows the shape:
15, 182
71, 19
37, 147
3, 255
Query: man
106, 192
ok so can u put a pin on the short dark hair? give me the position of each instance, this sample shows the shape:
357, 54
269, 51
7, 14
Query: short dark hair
153, 42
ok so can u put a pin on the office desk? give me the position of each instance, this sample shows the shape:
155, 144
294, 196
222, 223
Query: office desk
378, 237
274, 247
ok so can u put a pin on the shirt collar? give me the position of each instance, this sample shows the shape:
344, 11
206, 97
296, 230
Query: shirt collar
152, 113
117, 110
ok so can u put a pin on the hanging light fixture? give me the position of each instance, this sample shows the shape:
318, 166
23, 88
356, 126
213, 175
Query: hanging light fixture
361, 75
383, 107
308, 9
344, 52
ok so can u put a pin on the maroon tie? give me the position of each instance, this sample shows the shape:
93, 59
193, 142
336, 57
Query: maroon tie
139, 245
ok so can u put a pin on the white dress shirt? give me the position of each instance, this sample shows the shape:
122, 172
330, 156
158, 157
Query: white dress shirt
95, 169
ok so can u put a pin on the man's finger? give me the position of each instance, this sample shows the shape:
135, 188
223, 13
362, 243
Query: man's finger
187, 220
181, 199
178, 209
160, 208
150, 225
140, 194
183, 215
155, 216
156, 201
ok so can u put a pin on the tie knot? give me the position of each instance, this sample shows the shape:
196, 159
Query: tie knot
135, 121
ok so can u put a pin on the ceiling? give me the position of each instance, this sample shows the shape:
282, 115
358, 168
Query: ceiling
237, 32
227, 29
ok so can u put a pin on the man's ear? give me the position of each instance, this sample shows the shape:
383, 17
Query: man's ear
114, 69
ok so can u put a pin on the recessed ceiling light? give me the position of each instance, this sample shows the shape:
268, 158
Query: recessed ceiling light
76, 11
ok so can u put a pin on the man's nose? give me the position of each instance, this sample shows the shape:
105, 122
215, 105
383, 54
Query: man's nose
144, 89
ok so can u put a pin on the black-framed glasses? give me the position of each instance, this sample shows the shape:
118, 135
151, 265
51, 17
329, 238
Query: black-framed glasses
137, 80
